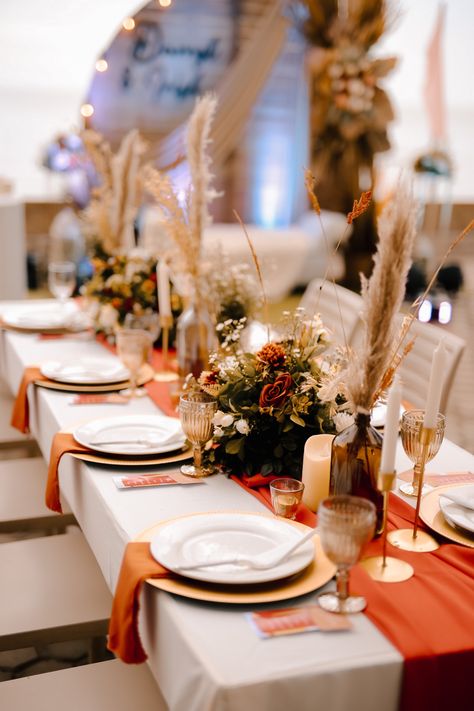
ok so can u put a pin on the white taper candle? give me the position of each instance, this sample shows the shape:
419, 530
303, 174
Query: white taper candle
438, 369
390, 431
163, 279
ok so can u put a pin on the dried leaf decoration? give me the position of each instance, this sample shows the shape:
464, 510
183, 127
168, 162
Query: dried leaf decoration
359, 206
309, 181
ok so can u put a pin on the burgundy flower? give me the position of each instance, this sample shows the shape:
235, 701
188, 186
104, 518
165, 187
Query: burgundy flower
274, 394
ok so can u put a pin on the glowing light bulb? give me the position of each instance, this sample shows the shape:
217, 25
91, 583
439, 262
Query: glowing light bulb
424, 314
164, 3
87, 110
128, 24
445, 312
102, 65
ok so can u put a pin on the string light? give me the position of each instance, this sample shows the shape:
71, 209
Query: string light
164, 3
87, 110
128, 24
102, 65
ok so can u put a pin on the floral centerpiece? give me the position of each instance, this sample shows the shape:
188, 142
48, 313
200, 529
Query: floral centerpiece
271, 401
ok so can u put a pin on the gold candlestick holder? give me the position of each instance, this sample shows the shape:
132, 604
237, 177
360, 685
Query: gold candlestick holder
408, 539
166, 375
382, 567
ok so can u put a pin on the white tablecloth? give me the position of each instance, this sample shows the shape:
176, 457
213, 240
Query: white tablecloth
206, 656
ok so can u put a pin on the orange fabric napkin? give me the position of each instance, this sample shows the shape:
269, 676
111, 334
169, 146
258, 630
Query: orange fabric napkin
21, 411
63, 443
137, 565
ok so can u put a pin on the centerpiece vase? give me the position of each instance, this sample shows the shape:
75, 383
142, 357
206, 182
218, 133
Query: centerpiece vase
195, 338
355, 464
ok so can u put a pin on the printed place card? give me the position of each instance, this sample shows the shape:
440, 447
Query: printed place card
433, 479
295, 620
140, 481
99, 399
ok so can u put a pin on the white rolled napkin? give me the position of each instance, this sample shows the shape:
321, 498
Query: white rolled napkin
462, 496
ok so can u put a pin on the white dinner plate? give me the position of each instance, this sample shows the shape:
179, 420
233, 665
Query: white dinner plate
197, 539
132, 434
42, 319
90, 371
457, 515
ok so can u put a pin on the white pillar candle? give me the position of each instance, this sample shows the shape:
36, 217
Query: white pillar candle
316, 468
163, 279
390, 431
438, 369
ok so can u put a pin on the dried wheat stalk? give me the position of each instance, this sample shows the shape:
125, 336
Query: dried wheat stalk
382, 297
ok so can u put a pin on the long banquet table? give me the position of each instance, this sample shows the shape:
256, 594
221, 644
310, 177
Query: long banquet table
206, 656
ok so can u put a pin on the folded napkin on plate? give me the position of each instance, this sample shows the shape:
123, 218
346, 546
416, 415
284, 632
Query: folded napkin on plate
21, 412
461, 495
63, 443
137, 565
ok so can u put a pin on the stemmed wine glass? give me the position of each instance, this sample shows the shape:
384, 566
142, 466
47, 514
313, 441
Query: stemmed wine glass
411, 426
133, 348
345, 525
62, 280
149, 322
196, 412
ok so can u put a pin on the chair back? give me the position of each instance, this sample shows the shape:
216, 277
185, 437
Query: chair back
416, 367
339, 308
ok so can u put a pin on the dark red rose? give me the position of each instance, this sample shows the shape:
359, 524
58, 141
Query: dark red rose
274, 394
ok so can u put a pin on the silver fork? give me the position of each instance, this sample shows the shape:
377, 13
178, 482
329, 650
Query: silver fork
262, 561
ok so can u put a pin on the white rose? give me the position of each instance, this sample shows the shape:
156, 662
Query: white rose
242, 426
220, 419
218, 432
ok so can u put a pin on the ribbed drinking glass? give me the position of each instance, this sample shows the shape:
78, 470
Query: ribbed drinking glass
196, 412
345, 525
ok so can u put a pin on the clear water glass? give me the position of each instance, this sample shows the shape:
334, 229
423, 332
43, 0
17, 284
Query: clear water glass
62, 280
149, 322
345, 525
133, 348
286, 496
196, 412
410, 431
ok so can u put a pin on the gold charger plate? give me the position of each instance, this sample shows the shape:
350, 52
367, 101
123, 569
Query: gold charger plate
146, 374
317, 574
432, 515
129, 461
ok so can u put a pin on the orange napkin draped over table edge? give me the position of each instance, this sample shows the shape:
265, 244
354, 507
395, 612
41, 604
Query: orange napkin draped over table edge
20, 418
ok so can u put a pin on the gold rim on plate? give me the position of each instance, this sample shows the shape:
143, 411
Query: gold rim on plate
123, 460
317, 574
431, 514
146, 375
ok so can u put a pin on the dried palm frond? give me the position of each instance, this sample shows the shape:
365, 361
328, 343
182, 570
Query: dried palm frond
114, 204
382, 297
